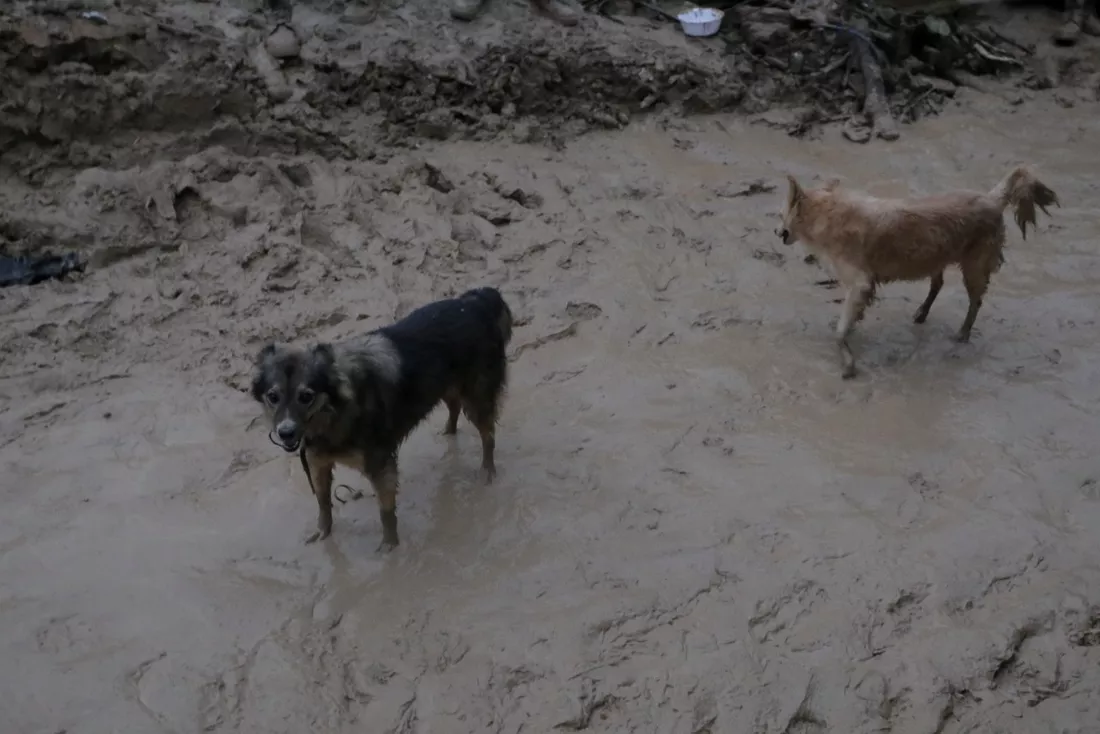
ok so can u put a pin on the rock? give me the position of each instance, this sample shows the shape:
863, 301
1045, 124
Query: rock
527, 131
746, 14
857, 132
436, 125
763, 34
359, 15
937, 26
931, 82
1064, 100
269, 71
283, 43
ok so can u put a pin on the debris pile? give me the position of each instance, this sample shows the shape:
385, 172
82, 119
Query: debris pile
859, 62
346, 86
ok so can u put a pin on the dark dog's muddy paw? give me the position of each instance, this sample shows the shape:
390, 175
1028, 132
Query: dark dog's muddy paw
961, 338
920, 316
318, 535
488, 474
387, 546
849, 372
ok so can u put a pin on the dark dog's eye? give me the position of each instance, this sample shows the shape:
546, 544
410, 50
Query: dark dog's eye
305, 397
272, 396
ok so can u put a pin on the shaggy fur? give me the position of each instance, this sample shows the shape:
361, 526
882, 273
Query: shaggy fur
870, 241
355, 402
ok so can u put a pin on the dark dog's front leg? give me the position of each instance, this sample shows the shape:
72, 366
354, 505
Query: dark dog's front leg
320, 478
454, 407
385, 487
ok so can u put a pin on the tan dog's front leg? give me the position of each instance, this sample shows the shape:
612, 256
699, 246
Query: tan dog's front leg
852, 310
320, 475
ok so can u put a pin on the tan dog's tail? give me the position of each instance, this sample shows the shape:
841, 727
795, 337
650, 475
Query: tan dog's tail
1023, 192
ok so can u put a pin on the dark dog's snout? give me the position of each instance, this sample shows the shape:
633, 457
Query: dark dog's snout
784, 234
290, 435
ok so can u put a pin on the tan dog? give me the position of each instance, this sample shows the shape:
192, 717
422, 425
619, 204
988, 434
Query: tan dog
869, 241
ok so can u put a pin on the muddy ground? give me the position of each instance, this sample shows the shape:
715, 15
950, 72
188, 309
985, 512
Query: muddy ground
697, 526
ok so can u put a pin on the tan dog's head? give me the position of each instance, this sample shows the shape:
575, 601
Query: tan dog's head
795, 215
788, 230
298, 389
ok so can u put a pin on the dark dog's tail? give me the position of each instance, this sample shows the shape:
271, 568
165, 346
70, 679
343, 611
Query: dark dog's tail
491, 300
1023, 192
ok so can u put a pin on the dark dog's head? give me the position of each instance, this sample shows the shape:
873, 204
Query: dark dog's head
298, 388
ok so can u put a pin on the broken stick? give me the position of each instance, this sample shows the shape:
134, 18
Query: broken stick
875, 105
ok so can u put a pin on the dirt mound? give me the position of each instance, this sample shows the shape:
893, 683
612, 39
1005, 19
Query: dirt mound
345, 82
585, 83
74, 80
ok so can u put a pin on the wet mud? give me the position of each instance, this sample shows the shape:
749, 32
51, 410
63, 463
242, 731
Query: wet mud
697, 526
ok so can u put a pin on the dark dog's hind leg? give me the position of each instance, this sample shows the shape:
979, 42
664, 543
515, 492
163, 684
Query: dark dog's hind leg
487, 428
482, 407
454, 407
385, 487
320, 478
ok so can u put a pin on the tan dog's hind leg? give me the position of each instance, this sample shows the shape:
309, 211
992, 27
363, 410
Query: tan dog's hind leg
934, 287
976, 280
320, 474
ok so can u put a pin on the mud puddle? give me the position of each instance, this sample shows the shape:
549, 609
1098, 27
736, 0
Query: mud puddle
697, 525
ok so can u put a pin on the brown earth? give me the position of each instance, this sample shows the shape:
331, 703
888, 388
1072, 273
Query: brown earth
697, 526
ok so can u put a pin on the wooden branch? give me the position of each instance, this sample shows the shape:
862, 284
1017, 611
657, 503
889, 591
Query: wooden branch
875, 104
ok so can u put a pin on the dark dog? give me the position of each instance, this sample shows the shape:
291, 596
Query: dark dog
354, 402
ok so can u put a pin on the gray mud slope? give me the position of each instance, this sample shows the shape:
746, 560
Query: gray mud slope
203, 69
697, 526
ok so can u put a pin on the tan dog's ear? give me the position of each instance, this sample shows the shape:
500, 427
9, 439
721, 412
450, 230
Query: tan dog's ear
794, 192
831, 184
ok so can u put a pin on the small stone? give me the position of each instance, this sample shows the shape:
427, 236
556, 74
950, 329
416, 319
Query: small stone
932, 82
437, 125
283, 43
765, 35
359, 15
526, 131
937, 26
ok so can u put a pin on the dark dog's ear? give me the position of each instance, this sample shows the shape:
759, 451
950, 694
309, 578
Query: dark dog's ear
259, 383
259, 373
264, 353
324, 355
329, 378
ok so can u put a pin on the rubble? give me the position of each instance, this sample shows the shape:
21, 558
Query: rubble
862, 62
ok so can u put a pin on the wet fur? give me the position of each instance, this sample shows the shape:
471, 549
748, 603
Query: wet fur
870, 241
355, 402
